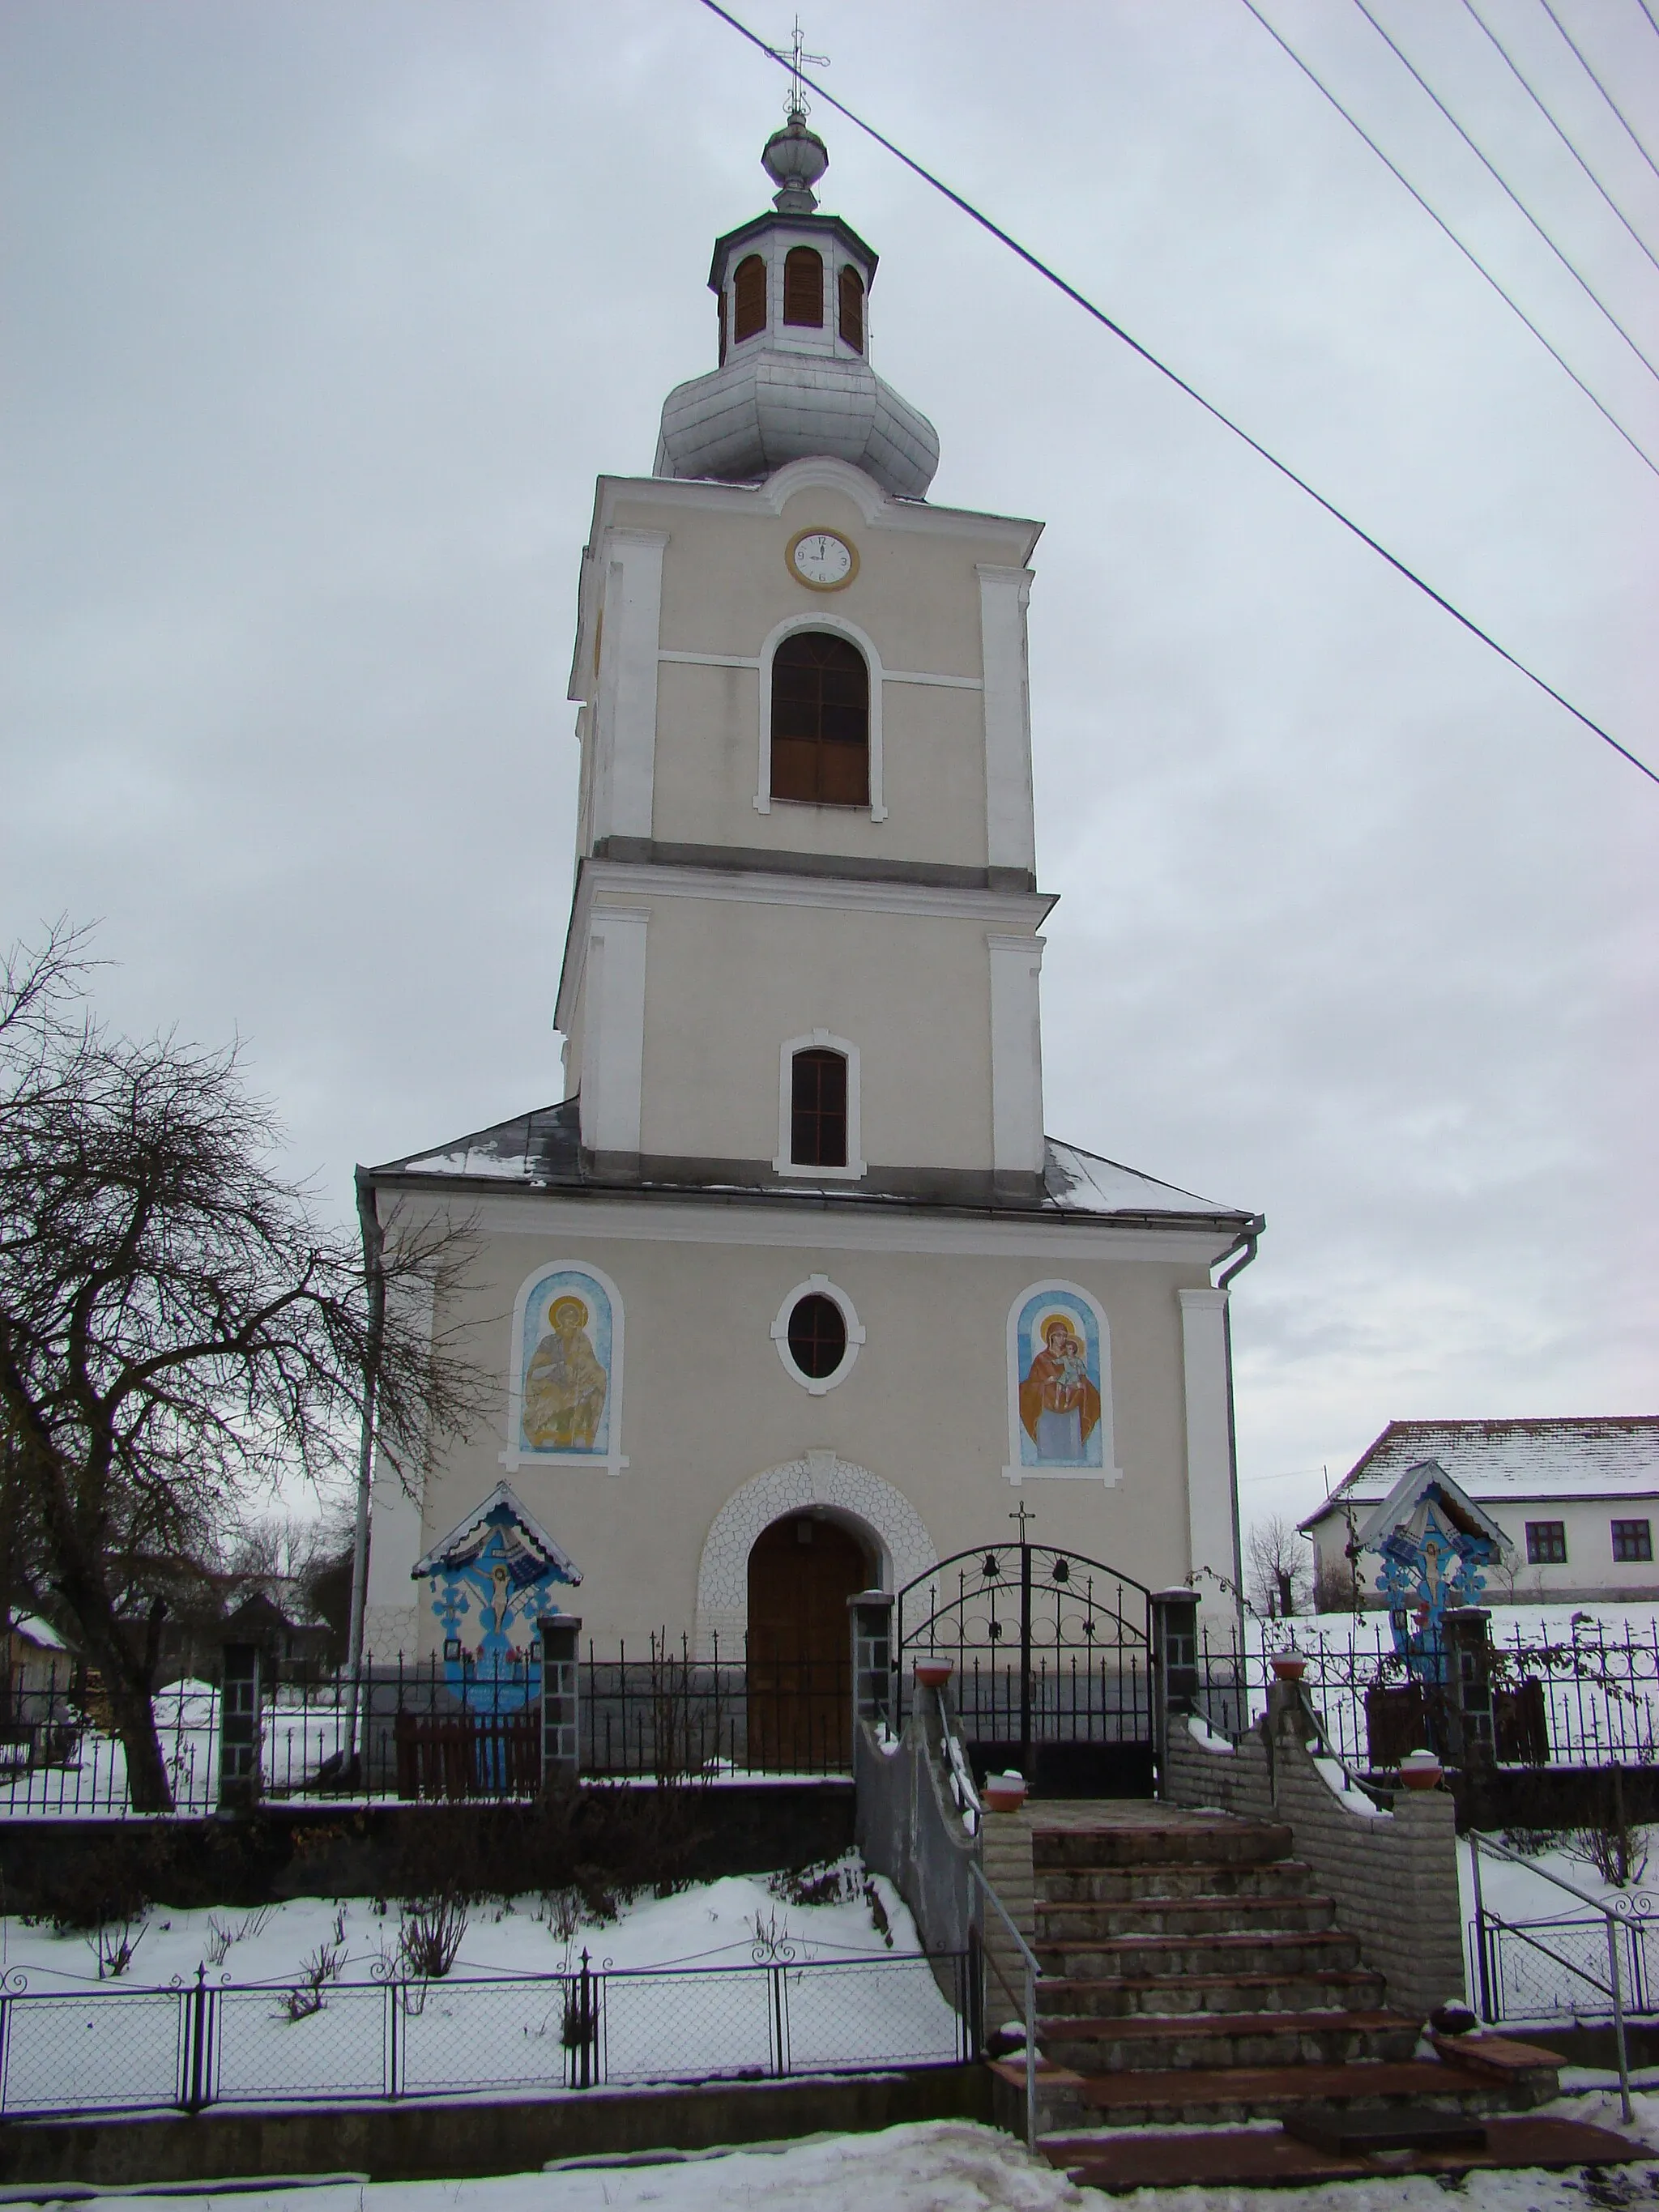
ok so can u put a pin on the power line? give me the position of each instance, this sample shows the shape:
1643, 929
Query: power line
1468, 252
1099, 315
1493, 171
1538, 103
1652, 19
1630, 128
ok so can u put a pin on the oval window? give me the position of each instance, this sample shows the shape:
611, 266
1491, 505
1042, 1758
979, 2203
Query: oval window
817, 1336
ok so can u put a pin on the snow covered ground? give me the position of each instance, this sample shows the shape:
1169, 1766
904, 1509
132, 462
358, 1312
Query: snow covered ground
728, 1978
947, 2167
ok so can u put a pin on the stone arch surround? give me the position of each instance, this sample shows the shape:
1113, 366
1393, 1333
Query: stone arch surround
819, 1478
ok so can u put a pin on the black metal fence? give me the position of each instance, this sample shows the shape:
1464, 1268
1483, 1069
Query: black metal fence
1532, 1970
117, 2049
425, 1730
1590, 1698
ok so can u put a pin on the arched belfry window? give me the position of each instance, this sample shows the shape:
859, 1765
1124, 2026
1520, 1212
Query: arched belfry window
748, 299
818, 1108
851, 308
820, 720
803, 287
720, 305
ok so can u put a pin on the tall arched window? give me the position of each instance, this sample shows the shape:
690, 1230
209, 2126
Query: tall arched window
851, 308
820, 720
720, 302
748, 299
803, 287
818, 1108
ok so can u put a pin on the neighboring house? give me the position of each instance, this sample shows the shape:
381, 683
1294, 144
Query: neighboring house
1578, 1500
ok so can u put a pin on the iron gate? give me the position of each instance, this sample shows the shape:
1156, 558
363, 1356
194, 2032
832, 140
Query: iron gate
1052, 1659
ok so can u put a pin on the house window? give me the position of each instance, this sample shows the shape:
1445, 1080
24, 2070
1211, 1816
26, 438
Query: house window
851, 308
1547, 1543
820, 720
720, 304
1633, 1539
818, 1109
803, 288
749, 299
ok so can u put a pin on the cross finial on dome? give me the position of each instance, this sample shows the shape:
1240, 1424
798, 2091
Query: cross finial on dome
795, 157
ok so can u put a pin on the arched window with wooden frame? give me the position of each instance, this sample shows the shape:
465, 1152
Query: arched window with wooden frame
820, 720
818, 1108
803, 288
748, 299
720, 302
851, 308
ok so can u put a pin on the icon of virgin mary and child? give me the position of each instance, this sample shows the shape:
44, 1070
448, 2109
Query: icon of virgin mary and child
565, 1384
1059, 1406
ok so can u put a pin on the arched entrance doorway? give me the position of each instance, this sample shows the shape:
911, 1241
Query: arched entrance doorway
802, 1570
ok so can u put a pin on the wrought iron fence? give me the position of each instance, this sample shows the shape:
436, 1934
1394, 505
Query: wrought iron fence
204, 2041
1590, 1698
426, 1730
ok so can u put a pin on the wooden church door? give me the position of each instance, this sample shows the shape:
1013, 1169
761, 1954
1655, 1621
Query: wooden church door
801, 1573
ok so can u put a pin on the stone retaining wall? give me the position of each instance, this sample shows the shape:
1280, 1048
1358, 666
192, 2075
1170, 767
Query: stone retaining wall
1392, 1874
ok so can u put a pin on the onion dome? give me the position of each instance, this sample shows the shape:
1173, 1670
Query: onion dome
794, 378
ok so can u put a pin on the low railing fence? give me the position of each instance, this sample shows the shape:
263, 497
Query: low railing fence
1588, 1700
427, 1728
118, 2049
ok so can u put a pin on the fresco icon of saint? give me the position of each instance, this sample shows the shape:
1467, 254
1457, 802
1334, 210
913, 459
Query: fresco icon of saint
1057, 1361
567, 1366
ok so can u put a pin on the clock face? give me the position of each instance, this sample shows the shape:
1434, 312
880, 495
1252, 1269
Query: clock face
822, 561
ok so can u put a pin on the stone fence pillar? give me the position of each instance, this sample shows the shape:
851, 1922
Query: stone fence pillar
1466, 1629
870, 1614
561, 1700
1174, 1666
239, 1730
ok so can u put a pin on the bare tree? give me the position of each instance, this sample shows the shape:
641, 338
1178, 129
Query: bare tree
1277, 1567
178, 1330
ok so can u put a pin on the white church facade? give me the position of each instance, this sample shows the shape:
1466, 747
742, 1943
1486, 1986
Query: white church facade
790, 1294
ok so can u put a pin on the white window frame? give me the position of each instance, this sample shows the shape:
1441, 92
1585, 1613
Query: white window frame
839, 626
821, 1286
806, 1170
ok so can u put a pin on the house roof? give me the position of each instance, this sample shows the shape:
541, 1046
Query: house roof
542, 1151
1598, 1455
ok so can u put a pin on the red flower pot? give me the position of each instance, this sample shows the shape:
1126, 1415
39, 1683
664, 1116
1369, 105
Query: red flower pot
1419, 1770
1289, 1666
1005, 1793
932, 1673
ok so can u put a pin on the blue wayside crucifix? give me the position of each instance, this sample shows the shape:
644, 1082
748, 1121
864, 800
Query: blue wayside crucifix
491, 1583
1434, 1542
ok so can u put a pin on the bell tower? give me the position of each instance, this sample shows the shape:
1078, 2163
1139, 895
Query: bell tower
803, 952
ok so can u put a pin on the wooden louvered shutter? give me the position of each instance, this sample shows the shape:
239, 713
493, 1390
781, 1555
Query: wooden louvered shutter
851, 308
749, 299
803, 287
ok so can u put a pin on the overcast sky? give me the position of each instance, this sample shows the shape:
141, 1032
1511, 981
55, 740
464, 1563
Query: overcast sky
321, 318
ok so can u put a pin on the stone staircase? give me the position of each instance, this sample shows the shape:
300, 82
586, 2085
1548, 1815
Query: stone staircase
1192, 1975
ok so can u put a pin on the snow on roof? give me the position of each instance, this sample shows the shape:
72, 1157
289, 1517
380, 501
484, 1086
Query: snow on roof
543, 1148
37, 1631
1600, 1455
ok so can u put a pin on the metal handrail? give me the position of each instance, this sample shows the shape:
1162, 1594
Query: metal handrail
1614, 1986
1032, 1971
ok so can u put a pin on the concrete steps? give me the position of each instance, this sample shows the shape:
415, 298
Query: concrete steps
1194, 1977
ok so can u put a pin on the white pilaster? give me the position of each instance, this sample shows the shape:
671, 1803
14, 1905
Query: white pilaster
1212, 1507
392, 1604
626, 735
1015, 1055
1010, 833
613, 1030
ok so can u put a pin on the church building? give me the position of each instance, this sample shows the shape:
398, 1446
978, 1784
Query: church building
790, 1295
